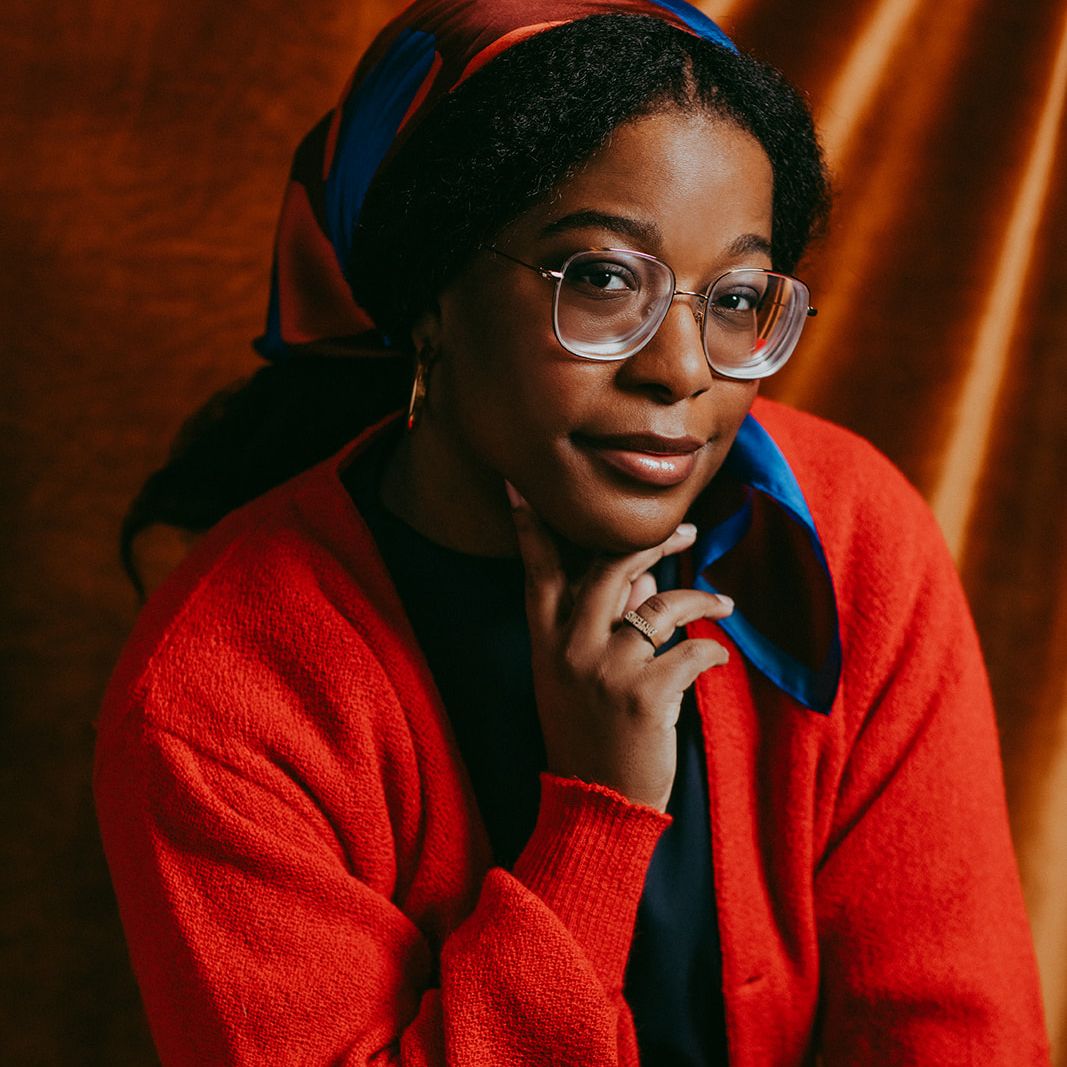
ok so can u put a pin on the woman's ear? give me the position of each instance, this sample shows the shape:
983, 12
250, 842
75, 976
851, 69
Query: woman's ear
426, 332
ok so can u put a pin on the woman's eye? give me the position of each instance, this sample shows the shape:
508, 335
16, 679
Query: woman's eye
736, 301
613, 278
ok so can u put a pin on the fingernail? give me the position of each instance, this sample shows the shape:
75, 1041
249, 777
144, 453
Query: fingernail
726, 601
687, 529
514, 496
724, 657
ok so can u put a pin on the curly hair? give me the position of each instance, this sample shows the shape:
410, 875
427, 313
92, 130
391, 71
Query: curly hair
513, 132
498, 144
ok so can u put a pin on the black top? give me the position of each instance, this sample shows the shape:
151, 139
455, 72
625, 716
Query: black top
468, 614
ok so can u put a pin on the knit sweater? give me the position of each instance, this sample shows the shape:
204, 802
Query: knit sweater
304, 877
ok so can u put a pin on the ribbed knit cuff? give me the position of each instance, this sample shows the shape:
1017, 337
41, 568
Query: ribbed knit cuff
587, 860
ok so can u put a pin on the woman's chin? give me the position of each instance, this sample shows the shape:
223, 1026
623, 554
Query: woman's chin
618, 535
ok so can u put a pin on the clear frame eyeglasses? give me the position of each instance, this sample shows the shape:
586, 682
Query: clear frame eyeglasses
610, 302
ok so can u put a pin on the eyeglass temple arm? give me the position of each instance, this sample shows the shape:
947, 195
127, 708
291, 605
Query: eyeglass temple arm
554, 275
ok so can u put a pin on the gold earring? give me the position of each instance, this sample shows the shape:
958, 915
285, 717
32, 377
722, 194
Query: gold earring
423, 362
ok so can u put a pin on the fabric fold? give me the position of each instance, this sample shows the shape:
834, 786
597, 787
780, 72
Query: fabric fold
767, 554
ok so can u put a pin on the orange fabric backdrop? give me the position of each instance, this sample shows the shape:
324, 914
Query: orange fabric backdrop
146, 147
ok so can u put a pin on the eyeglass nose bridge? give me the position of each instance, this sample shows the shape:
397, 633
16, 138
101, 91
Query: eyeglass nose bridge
698, 305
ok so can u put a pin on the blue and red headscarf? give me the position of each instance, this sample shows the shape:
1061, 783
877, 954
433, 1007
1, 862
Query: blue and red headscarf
432, 47
424, 54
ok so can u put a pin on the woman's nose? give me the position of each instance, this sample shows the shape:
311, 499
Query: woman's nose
673, 365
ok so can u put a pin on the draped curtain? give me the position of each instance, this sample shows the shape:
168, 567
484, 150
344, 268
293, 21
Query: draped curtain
145, 151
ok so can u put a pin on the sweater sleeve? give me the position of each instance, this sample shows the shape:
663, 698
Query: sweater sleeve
925, 948
259, 936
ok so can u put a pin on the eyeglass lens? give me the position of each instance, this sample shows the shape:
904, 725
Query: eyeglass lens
609, 304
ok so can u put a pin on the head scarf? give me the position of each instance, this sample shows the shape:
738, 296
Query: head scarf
432, 47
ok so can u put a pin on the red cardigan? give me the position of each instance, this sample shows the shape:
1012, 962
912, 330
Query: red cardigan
304, 877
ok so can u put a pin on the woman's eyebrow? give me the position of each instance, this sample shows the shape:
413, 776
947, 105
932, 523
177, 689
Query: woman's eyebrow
646, 232
749, 242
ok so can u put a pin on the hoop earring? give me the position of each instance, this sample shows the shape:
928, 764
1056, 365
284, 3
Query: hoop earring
423, 362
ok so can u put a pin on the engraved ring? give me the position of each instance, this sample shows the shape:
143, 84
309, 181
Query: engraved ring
642, 626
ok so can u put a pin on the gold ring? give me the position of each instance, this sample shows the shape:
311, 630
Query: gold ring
642, 626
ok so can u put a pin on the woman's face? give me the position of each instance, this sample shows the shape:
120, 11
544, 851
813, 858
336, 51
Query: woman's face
610, 454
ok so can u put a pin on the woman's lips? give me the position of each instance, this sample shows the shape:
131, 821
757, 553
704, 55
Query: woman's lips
646, 458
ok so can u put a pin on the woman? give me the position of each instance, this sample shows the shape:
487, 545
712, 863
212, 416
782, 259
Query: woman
413, 759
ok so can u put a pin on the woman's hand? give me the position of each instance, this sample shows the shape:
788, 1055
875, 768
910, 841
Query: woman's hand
608, 705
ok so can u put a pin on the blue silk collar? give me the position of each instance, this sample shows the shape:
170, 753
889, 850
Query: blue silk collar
768, 556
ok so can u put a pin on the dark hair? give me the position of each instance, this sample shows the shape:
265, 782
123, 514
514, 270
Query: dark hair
506, 138
488, 151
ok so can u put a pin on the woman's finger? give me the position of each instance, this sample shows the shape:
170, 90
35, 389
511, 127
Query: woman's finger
640, 591
660, 615
604, 592
545, 580
679, 667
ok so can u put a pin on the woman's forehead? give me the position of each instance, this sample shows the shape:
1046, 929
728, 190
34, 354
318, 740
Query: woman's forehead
660, 182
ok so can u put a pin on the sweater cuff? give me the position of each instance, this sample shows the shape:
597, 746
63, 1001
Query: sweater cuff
587, 860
